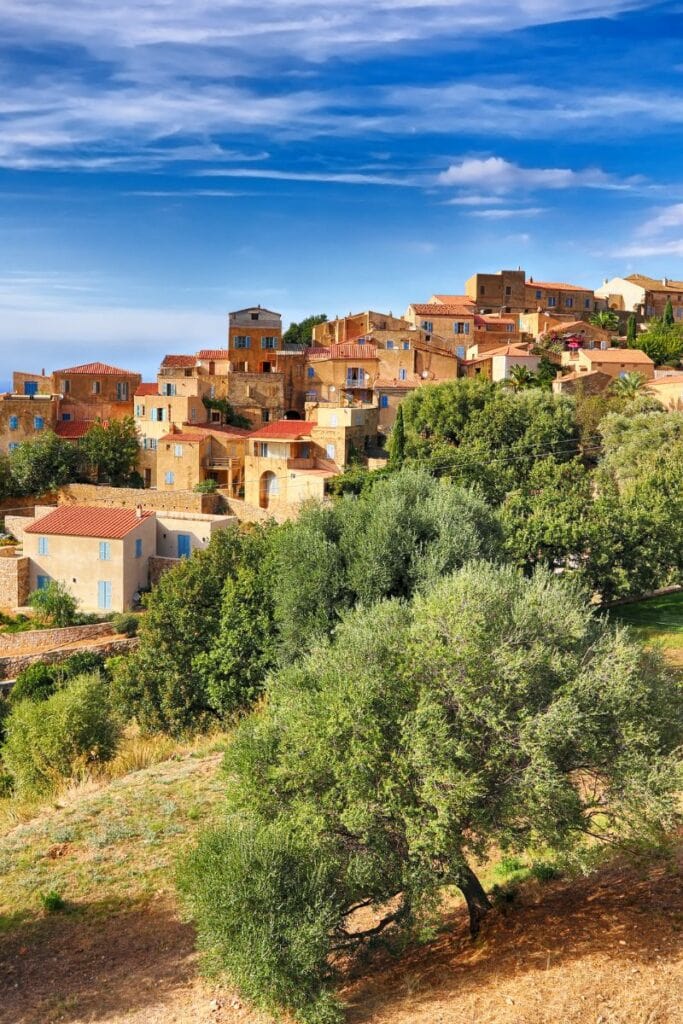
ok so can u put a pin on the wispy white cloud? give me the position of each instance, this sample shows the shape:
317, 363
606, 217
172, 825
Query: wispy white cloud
503, 213
662, 220
331, 177
503, 176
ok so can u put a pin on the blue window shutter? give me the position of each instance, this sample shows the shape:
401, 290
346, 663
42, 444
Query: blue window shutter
138, 547
42, 545
183, 545
13, 422
38, 422
104, 594
311, 371
43, 582
105, 551
384, 402
170, 477
467, 328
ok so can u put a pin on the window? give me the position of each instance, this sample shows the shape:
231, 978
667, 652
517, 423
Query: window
138, 547
384, 402
461, 327
242, 341
42, 582
401, 374
254, 316
390, 345
586, 303
482, 289
158, 414
569, 303
14, 422
603, 345
96, 387
406, 346
538, 293
551, 301
66, 387
169, 477
508, 289
428, 326
153, 444
178, 451
38, 422
263, 449
66, 416
330, 451
460, 351
212, 391
269, 342
43, 546
305, 451
12, 446
122, 391
168, 390
105, 551
104, 594
334, 422
265, 415
311, 371
139, 410
193, 414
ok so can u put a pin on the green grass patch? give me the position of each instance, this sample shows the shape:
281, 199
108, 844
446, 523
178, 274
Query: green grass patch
657, 619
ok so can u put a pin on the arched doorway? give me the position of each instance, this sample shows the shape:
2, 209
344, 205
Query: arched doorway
269, 488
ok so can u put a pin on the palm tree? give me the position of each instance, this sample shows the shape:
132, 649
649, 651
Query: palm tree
520, 377
606, 319
629, 386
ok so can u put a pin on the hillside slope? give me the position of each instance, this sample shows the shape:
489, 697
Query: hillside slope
601, 950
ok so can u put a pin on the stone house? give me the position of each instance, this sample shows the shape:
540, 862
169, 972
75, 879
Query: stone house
24, 417
254, 337
615, 362
496, 364
645, 296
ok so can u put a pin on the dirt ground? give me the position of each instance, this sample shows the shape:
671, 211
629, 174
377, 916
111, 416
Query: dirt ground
601, 950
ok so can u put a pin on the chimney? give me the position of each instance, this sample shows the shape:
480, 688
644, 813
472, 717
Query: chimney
531, 280
138, 511
665, 281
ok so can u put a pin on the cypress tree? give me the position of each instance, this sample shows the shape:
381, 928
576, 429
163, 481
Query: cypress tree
398, 440
631, 331
668, 317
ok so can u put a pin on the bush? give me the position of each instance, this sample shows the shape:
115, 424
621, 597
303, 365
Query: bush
54, 604
206, 487
35, 682
126, 622
60, 737
79, 664
52, 902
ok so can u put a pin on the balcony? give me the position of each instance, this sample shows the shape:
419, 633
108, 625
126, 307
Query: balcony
354, 383
301, 464
220, 462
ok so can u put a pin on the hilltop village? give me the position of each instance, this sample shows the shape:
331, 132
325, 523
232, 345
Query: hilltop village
252, 430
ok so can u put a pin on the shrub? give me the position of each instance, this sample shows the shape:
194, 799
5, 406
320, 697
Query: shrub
35, 682
206, 487
79, 664
59, 737
54, 604
52, 902
126, 622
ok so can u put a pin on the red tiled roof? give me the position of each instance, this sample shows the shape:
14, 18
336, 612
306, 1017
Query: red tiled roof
213, 353
505, 350
188, 438
72, 429
98, 370
284, 430
87, 521
616, 355
442, 309
454, 300
178, 362
487, 318
147, 389
558, 286
217, 427
345, 350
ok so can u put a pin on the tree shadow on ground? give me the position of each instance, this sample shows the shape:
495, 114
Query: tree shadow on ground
612, 939
94, 962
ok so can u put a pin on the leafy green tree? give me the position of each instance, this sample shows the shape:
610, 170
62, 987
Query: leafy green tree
605, 319
244, 649
544, 521
629, 386
663, 343
519, 378
229, 415
302, 333
159, 684
634, 443
43, 464
112, 450
6, 483
631, 331
396, 757
54, 604
668, 318
397, 441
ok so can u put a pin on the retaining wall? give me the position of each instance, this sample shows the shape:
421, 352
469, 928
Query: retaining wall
130, 497
14, 582
11, 667
33, 641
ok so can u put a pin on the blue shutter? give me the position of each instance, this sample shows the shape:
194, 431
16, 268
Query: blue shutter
170, 477
13, 422
30, 387
42, 546
384, 402
43, 582
104, 595
105, 551
183, 545
138, 547
38, 422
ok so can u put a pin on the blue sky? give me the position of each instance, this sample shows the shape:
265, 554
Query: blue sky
163, 162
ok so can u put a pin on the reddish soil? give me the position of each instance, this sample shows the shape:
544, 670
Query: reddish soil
601, 950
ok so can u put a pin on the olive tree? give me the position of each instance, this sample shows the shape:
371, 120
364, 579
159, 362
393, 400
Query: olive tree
492, 712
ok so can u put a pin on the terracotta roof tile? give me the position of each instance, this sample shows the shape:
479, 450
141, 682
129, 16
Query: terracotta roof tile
184, 436
98, 370
87, 521
651, 284
213, 428
213, 353
558, 286
617, 355
442, 309
179, 362
284, 430
454, 300
145, 389
345, 350
72, 429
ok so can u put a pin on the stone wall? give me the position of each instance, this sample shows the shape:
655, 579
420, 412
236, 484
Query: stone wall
130, 497
34, 641
158, 566
14, 584
11, 667
247, 513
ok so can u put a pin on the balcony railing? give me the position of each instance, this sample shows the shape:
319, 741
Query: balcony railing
219, 462
353, 382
